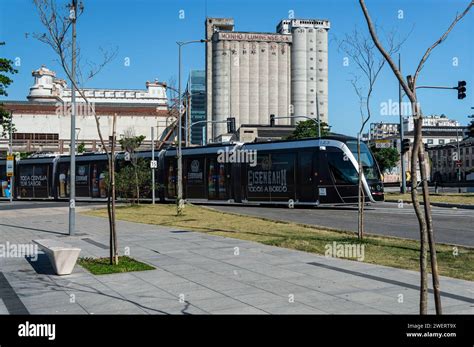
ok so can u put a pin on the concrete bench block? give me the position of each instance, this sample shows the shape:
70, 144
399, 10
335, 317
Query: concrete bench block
62, 256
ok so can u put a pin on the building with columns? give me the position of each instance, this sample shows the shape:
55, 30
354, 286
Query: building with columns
42, 122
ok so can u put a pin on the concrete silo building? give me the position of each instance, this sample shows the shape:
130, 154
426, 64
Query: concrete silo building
252, 75
309, 66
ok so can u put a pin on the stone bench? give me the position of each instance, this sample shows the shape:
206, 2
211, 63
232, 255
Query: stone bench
62, 256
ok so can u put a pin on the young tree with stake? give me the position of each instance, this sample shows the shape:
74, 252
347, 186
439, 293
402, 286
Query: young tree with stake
418, 160
58, 24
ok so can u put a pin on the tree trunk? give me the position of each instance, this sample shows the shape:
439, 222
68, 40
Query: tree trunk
430, 232
109, 213
112, 155
137, 185
419, 214
361, 197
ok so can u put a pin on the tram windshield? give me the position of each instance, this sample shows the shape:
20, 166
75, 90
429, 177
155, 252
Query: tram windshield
368, 163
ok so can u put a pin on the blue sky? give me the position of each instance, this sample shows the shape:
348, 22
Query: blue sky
145, 32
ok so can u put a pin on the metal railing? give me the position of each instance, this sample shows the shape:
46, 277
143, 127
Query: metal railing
62, 146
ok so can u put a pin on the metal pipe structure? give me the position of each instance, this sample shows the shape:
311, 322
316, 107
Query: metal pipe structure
72, 149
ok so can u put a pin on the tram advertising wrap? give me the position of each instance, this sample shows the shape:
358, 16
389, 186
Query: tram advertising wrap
272, 179
34, 181
289, 172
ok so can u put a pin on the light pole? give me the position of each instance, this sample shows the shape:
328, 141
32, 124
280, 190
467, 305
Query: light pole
179, 197
459, 161
403, 188
72, 149
152, 165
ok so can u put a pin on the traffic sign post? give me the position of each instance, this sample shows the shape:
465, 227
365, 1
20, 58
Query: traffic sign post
10, 174
383, 144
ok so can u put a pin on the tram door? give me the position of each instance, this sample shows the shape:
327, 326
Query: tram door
307, 176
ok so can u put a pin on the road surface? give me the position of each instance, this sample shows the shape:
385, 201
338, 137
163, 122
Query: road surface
453, 226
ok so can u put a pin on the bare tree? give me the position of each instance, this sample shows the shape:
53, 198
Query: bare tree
57, 23
360, 49
418, 159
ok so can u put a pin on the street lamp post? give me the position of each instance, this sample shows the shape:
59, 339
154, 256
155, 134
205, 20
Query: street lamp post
179, 197
459, 159
153, 168
403, 188
72, 149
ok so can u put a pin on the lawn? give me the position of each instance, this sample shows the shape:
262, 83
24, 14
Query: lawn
394, 252
102, 266
450, 198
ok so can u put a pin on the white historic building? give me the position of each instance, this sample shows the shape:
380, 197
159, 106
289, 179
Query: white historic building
43, 121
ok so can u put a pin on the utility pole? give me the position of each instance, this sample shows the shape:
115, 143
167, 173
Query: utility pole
459, 161
317, 114
72, 149
179, 197
153, 168
403, 188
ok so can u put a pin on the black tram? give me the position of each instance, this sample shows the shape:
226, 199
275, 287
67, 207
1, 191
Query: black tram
290, 172
305, 172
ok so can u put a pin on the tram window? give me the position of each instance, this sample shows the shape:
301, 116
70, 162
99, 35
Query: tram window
195, 177
343, 170
171, 178
368, 162
306, 167
34, 181
82, 180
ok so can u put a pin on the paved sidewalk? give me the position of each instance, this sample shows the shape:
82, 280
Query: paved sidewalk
199, 274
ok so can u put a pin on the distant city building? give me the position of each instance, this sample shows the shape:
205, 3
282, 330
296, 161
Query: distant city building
383, 130
196, 89
250, 75
447, 159
430, 121
43, 122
